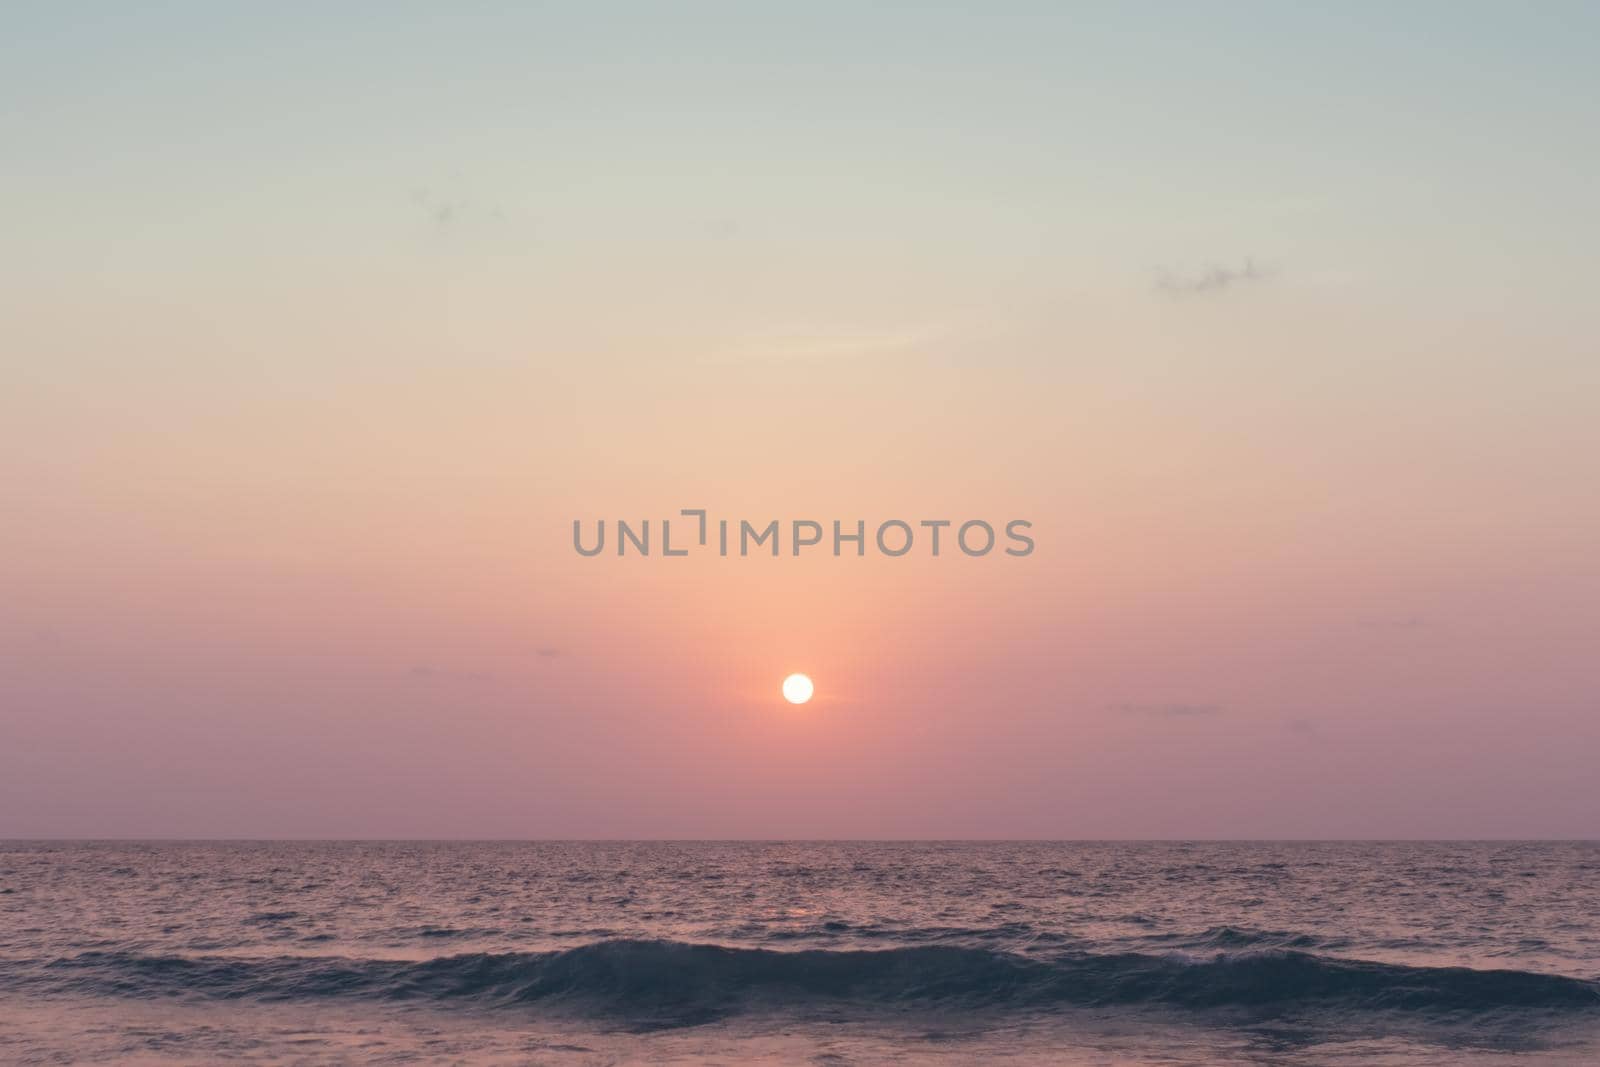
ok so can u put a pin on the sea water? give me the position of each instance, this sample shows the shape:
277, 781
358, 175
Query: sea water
826, 953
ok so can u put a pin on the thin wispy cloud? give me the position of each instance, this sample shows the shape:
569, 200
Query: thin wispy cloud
427, 672
1393, 622
445, 211
1166, 711
1211, 280
844, 342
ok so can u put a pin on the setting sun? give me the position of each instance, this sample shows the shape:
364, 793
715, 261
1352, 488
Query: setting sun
797, 689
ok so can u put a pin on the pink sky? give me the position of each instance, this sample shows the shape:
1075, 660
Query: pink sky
304, 381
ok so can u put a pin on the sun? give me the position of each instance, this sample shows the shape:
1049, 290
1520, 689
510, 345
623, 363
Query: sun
797, 689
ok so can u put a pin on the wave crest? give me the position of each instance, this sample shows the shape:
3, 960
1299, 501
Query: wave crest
686, 982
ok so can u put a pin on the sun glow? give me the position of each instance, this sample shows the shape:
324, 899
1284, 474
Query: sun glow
797, 689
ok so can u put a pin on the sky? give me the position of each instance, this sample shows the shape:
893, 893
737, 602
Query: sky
319, 327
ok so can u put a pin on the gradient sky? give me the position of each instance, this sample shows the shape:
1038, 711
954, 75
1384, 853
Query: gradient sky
320, 325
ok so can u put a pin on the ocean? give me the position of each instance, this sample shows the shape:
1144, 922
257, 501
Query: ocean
814, 953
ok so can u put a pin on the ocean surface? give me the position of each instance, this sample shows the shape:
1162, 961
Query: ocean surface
823, 953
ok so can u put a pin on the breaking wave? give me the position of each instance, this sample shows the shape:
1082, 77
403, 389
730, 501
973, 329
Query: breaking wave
680, 982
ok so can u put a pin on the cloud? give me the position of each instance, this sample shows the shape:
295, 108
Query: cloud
1302, 726
548, 652
427, 672
1393, 622
824, 343
445, 212
1209, 281
1167, 711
